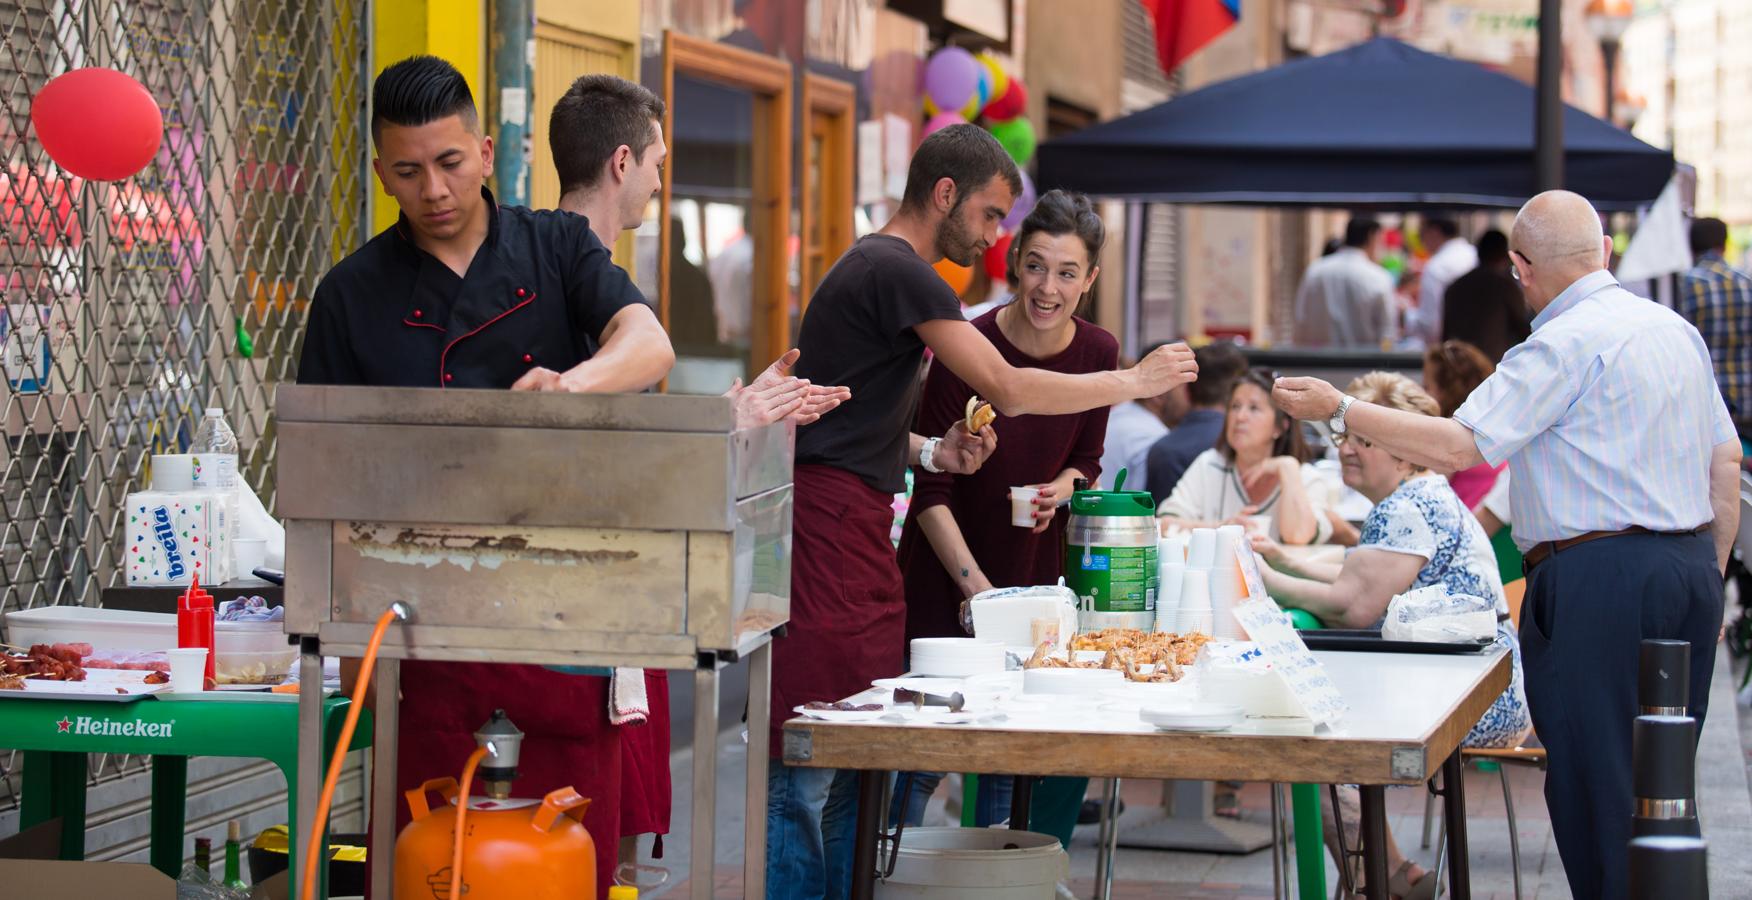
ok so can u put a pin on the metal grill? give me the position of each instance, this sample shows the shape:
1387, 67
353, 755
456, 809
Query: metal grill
129, 307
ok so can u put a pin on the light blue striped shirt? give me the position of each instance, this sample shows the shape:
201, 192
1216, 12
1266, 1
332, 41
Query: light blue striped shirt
1607, 416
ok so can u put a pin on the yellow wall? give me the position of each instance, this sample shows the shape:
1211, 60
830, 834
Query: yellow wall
452, 29
616, 20
573, 38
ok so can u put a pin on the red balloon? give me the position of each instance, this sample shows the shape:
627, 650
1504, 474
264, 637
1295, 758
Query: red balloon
1012, 104
997, 258
98, 123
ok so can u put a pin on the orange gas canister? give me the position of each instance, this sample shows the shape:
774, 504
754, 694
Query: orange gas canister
514, 849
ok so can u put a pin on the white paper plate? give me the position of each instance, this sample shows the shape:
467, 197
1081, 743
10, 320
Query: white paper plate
939, 716
1070, 681
113, 685
940, 686
995, 683
1194, 716
841, 715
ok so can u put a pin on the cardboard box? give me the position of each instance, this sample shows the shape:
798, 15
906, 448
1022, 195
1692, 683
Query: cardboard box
28, 869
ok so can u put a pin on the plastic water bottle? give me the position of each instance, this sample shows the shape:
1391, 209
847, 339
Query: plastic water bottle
214, 436
215, 446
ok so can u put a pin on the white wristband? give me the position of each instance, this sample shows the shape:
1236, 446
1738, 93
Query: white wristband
926, 453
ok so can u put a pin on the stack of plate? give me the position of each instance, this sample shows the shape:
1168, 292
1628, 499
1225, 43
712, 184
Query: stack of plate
956, 657
1194, 716
1071, 681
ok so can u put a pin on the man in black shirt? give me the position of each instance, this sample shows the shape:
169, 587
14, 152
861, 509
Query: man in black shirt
867, 328
1484, 307
463, 293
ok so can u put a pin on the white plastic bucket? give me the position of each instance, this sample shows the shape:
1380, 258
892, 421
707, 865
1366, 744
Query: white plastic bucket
975, 863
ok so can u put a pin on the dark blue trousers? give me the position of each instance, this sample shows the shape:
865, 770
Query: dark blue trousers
1587, 611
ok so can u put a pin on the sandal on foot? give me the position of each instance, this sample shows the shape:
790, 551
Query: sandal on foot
1401, 885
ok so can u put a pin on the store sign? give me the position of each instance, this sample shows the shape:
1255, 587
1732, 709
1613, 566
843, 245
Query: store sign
87, 726
24, 347
1270, 628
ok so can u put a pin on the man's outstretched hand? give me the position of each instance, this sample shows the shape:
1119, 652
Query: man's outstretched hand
775, 396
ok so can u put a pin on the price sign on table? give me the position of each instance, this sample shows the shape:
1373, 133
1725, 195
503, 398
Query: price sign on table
1270, 628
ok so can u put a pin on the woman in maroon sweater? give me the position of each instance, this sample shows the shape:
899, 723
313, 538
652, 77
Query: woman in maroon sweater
958, 539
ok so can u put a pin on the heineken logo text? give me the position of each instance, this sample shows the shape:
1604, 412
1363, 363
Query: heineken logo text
109, 728
166, 534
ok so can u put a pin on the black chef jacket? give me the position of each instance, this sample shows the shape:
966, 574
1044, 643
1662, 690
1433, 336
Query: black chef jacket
539, 293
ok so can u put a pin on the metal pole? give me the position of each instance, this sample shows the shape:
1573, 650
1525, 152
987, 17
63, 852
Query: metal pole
702, 865
310, 761
513, 74
1454, 826
385, 753
1548, 119
1609, 52
760, 680
1373, 799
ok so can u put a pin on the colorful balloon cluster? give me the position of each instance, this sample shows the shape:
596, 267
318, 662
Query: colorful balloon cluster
961, 87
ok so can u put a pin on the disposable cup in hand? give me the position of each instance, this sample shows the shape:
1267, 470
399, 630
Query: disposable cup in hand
188, 669
1022, 506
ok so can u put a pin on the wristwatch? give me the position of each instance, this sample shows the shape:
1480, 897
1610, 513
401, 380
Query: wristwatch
1336, 423
927, 452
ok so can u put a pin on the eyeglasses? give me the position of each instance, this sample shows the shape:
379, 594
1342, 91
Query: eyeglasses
1514, 272
1339, 440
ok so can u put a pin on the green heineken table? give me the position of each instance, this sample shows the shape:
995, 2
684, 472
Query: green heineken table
56, 735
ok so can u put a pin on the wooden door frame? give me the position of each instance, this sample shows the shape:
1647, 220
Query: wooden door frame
768, 78
836, 102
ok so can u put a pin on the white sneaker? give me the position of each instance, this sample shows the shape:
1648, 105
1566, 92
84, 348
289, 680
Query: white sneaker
1063, 892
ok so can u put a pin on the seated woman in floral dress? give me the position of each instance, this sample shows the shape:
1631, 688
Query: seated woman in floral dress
1419, 533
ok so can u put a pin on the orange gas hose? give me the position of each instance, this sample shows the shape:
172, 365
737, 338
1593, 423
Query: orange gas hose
313, 841
468, 770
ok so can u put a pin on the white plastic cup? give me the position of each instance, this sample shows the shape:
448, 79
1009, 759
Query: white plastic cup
1195, 589
1188, 620
251, 554
188, 669
172, 472
1257, 524
1201, 548
1228, 538
1022, 506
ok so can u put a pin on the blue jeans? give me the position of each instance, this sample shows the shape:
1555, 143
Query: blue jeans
811, 819
992, 807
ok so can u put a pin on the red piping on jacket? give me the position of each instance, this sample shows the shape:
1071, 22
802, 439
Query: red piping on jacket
478, 329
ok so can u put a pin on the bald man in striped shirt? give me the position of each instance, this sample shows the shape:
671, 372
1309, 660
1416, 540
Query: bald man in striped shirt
1625, 495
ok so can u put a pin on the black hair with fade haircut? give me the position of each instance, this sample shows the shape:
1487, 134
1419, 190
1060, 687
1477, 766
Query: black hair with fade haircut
418, 90
966, 154
596, 116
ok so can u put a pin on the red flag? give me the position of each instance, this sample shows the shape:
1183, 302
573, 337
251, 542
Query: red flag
1185, 26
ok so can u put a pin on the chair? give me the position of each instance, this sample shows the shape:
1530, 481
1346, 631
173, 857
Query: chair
1487, 759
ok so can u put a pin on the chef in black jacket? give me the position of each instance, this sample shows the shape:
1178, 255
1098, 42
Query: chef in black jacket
463, 293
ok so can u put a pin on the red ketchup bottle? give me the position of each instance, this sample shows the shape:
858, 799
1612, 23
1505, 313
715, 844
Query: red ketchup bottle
194, 626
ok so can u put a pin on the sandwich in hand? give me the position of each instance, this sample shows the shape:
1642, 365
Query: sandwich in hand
979, 414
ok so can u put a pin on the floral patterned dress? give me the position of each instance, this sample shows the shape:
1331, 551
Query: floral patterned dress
1423, 517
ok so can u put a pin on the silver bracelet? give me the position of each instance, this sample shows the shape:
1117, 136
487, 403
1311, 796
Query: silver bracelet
926, 452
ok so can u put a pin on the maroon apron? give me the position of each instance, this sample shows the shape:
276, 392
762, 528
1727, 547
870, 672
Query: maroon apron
848, 612
567, 737
645, 791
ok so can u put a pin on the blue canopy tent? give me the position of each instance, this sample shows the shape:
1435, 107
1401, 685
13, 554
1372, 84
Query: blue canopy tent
1381, 124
